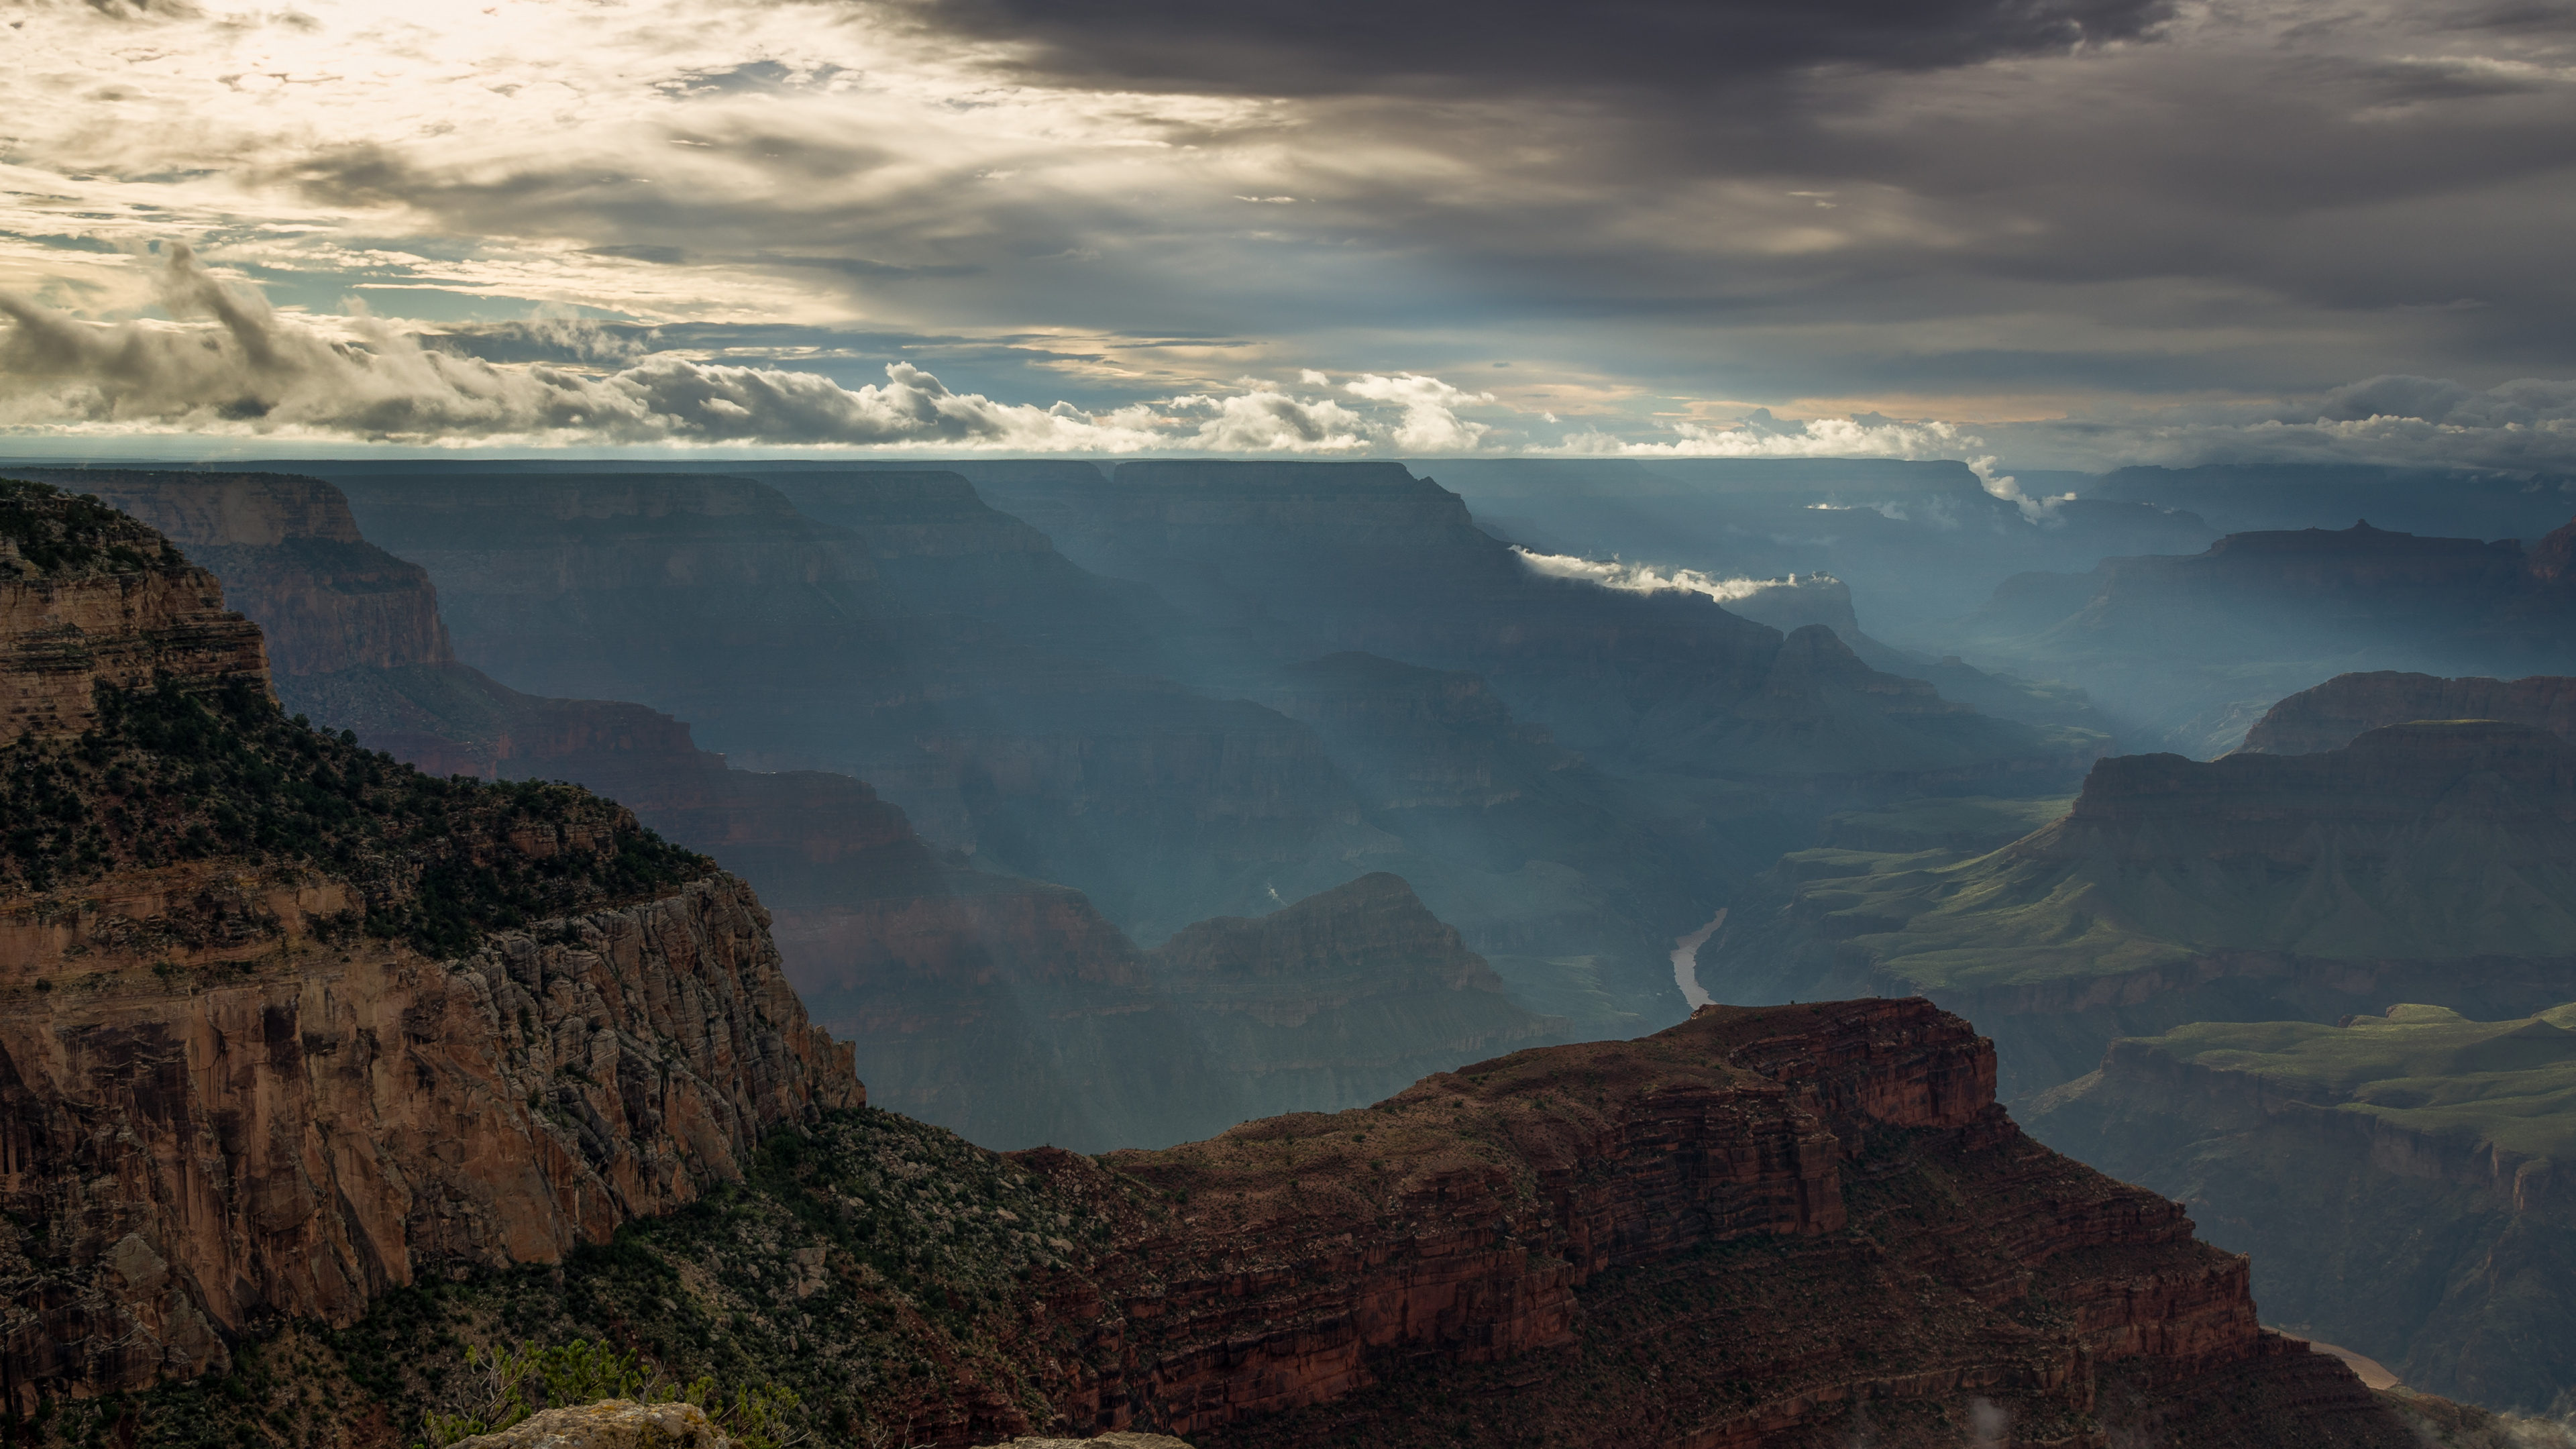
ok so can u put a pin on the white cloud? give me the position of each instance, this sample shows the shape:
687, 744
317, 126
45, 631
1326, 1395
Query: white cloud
1431, 422
1646, 579
231, 365
251, 370
1267, 420
2526, 425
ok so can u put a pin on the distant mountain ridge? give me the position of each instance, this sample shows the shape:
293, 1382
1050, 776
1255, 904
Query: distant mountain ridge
2195, 648
2332, 714
2433, 861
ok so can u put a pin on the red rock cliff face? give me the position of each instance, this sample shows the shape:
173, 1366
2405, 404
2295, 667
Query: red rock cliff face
1760, 1227
2347, 706
223, 1106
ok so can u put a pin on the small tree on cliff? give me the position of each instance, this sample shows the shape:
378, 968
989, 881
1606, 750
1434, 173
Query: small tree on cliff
509, 1384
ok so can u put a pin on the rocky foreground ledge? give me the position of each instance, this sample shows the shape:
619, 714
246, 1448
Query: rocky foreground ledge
1758, 1227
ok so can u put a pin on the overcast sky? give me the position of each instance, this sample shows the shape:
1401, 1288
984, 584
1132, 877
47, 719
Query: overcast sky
2064, 233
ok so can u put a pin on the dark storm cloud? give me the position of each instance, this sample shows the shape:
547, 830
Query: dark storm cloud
1343, 46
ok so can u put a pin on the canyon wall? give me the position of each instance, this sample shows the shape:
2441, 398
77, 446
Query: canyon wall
2421, 862
1724, 1234
290, 556
2193, 650
983, 709
2342, 709
89, 597
238, 1088
1305, 559
1004, 1008
2396, 1180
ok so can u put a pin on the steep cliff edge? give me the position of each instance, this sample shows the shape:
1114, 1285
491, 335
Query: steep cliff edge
89, 597
2399, 1179
291, 558
285, 1025
2342, 709
2421, 862
1786, 1227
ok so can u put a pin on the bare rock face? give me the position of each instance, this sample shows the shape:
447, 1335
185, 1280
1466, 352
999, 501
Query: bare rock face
609, 1424
87, 597
235, 1089
2347, 706
1718, 1235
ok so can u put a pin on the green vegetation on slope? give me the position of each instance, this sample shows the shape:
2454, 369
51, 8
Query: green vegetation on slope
2392, 1179
168, 775
2427, 1069
47, 533
881, 1270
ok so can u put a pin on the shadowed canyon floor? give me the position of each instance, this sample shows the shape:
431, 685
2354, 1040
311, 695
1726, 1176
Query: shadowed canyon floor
2396, 1178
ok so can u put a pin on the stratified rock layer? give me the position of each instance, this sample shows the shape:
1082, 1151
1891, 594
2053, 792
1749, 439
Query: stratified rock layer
88, 597
1758, 1227
291, 558
2399, 1180
233, 1091
2344, 708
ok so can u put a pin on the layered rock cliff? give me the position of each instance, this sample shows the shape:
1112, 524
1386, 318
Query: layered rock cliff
88, 597
1001, 1007
2421, 862
285, 1025
2345, 707
1797, 1226
291, 559
2396, 1179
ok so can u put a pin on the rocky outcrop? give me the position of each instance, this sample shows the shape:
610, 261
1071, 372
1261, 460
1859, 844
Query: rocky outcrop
291, 559
608, 1424
2394, 1178
284, 1025
1792, 1227
88, 597
2347, 706
1715, 1235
